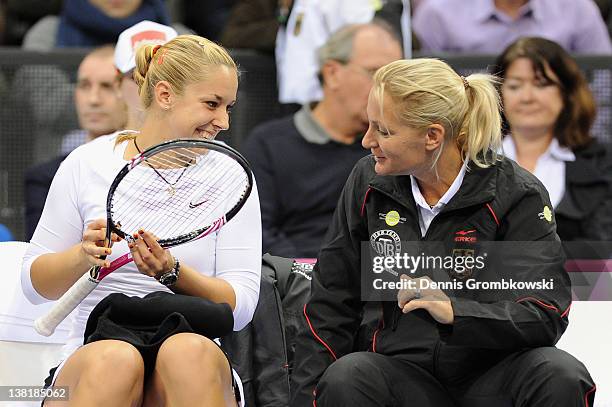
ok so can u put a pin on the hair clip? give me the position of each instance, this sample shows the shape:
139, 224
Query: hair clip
154, 50
465, 82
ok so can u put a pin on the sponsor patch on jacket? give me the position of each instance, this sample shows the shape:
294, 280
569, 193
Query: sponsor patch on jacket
546, 214
391, 218
467, 236
386, 243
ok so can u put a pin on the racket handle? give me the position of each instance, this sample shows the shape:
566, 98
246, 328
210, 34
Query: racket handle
46, 324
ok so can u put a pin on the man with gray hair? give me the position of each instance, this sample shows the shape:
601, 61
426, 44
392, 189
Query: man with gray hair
301, 162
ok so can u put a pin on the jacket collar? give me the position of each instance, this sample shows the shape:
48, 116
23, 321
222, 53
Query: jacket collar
478, 187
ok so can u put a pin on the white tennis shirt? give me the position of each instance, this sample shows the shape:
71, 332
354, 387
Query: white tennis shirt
78, 196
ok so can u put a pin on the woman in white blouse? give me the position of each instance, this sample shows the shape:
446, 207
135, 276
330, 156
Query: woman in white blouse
187, 88
549, 111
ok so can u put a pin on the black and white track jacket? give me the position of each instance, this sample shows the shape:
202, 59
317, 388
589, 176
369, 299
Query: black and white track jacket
500, 203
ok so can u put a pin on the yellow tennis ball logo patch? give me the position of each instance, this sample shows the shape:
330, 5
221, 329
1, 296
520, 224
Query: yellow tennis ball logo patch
546, 214
392, 218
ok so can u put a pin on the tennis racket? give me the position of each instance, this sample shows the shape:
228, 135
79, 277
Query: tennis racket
180, 191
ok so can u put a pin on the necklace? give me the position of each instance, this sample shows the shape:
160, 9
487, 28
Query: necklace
170, 190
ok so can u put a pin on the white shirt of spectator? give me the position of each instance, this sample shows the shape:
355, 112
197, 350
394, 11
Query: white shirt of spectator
550, 167
310, 24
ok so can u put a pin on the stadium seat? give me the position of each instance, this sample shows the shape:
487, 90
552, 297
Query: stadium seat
26, 356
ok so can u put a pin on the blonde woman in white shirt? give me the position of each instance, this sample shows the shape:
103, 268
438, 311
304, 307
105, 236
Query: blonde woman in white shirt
187, 88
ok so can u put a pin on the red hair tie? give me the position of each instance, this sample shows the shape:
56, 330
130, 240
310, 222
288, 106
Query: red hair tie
154, 50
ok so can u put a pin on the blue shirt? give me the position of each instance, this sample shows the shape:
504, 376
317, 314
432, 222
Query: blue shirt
5, 234
476, 26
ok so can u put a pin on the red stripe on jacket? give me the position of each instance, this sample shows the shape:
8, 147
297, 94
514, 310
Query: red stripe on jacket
317, 336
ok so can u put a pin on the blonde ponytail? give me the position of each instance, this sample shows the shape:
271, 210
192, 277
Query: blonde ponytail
483, 122
144, 56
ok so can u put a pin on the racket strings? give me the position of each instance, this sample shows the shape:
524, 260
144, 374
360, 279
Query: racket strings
145, 182
210, 183
170, 218
208, 197
129, 195
214, 201
154, 208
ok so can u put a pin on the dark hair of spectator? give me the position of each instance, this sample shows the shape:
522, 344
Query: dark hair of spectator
573, 126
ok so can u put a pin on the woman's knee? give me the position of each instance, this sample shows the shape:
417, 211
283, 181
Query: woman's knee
115, 361
344, 371
183, 351
110, 365
563, 369
357, 379
372, 379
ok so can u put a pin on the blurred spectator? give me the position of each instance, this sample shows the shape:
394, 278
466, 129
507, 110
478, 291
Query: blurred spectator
254, 24
5, 234
2, 21
100, 110
22, 14
489, 26
145, 32
397, 13
605, 8
89, 23
207, 18
310, 23
549, 111
301, 162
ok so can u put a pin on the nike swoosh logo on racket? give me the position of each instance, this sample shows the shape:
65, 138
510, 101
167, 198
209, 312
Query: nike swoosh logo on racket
193, 206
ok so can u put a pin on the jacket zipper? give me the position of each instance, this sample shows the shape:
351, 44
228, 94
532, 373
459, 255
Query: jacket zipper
396, 313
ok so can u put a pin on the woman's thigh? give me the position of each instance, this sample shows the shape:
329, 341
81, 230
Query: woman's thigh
107, 365
188, 363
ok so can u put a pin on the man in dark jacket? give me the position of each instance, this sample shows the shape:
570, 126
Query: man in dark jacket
300, 162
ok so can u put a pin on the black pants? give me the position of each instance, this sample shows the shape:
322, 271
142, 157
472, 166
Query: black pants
542, 377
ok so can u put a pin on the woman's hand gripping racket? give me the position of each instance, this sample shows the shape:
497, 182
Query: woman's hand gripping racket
179, 191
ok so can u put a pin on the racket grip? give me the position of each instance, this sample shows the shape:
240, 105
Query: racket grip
46, 324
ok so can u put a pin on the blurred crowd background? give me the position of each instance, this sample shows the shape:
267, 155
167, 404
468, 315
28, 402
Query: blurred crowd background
278, 45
